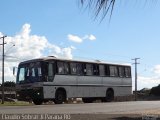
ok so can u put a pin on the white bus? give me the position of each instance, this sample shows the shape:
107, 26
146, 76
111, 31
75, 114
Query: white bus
56, 79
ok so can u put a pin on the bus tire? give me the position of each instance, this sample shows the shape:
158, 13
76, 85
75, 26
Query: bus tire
87, 100
60, 97
37, 101
109, 95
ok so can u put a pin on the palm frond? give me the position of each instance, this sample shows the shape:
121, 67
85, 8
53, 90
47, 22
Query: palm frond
104, 6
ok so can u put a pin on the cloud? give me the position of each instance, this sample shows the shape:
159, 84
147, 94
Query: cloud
60, 52
28, 46
149, 81
1, 34
92, 37
89, 37
25, 31
73, 47
77, 39
156, 69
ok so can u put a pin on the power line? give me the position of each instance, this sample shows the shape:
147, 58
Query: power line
9, 48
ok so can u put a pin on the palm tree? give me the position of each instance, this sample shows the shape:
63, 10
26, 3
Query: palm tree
104, 6
100, 5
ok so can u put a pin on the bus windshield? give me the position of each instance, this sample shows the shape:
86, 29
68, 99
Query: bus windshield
35, 72
30, 72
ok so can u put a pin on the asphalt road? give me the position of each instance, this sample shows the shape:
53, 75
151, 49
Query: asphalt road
136, 107
139, 110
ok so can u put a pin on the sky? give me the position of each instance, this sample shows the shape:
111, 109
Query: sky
67, 30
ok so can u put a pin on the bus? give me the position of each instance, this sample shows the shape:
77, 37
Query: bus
51, 78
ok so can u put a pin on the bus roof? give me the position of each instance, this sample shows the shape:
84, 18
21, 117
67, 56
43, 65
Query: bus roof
49, 58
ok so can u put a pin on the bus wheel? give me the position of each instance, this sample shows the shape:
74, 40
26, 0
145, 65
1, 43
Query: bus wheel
87, 100
109, 95
60, 97
37, 101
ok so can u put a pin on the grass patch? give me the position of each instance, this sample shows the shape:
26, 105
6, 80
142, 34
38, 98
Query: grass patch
18, 103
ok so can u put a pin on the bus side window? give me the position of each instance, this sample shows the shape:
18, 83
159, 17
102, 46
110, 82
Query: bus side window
50, 69
79, 69
107, 70
127, 72
121, 71
73, 68
89, 69
101, 70
84, 68
50, 72
95, 69
60, 67
66, 68
113, 71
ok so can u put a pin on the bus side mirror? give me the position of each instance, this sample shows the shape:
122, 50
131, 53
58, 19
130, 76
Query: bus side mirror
14, 71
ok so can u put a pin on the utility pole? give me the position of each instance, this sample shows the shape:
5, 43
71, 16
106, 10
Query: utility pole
135, 59
3, 68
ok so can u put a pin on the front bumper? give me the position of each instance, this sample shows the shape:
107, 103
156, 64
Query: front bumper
30, 94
